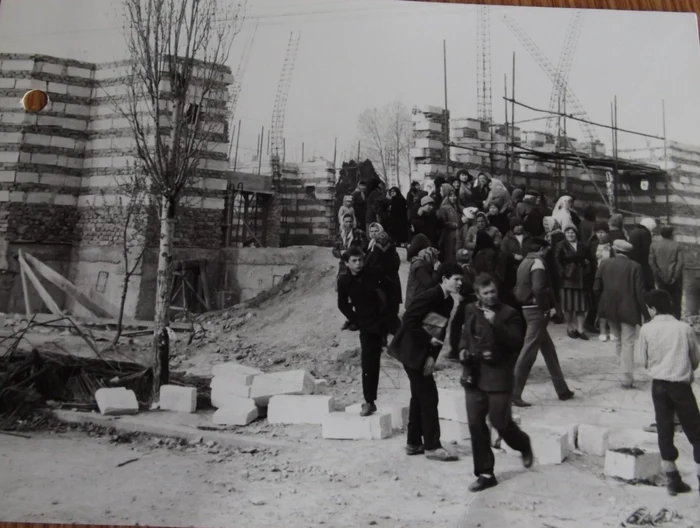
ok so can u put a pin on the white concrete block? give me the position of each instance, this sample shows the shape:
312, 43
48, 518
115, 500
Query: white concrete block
115, 401
549, 446
632, 464
454, 431
240, 411
236, 373
452, 405
221, 397
348, 426
180, 399
398, 413
321, 384
287, 409
224, 386
292, 382
593, 439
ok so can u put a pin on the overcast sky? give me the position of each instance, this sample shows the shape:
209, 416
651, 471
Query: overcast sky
356, 54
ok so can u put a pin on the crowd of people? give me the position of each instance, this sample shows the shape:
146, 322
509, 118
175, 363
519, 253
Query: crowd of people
514, 265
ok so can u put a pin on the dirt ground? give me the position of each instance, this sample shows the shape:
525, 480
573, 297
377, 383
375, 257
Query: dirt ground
70, 475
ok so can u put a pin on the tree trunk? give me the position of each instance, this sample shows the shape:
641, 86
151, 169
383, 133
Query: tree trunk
163, 293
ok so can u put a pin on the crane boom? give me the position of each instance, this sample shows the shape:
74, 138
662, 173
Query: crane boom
543, 62
483, 63
279, 109
237, 85
566, 59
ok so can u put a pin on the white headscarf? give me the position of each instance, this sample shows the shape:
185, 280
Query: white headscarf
561, 211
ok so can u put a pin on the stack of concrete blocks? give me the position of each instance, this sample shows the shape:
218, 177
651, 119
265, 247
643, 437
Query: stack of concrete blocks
307, 196
452, 412
116, 401
541, 142
231, 394
59, 174
427, 149
502, 138
472, 133
593, 148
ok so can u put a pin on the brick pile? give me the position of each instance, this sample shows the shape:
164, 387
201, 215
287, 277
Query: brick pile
427, 150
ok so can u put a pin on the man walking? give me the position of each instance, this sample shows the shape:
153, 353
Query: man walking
667, 263
362, 299
534, 293
619, 284
414, 347
670, 353
492, 335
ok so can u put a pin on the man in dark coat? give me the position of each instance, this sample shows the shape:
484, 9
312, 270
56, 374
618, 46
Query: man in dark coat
530, 214
492, 336
619, 285
667, 263
411, 195
417, 350
641, 237
359, 203
348, 237
534, 293
362, 298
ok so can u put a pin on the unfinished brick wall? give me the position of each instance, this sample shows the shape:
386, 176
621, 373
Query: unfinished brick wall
307, 203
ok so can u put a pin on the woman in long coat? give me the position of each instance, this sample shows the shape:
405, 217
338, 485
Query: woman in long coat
398, 230
574, 264
449, 215
383, 258
481, 190
554, 235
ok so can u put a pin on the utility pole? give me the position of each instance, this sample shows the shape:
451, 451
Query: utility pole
446, 129
512, 118
260, 149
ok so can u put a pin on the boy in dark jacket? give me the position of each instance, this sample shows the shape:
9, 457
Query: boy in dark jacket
492, 336
417, 350
362, 298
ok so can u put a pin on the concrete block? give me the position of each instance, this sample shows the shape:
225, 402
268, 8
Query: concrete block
550, 446
593, 439
454, 431
293, 382
398, 412
240, 411
632, 464
180, 399
286, 409
348, 426
321, 384
221, 385
235, 373
116, 401
452, 405
221, 397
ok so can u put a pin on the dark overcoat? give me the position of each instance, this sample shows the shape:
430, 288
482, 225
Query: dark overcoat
619, 288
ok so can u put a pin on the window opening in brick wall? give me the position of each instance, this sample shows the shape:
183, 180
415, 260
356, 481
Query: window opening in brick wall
101, 284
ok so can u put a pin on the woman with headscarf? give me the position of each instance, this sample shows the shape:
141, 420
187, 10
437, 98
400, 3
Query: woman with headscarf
347, 208
423, 273
449, 216
399, 216
385, 261
574, 262
481, 190
554, 235
481, 225
498, 196
465, 189
564, 213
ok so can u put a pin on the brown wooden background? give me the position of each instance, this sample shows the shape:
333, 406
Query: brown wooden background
637, 5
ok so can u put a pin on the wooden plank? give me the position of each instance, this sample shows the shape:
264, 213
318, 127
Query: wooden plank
95, 303
204, 282
25, 291
45, 296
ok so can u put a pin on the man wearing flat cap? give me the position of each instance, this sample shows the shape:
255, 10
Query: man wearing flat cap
619, 287
534, 293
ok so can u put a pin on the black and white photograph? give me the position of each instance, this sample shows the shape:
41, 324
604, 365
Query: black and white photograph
348, 263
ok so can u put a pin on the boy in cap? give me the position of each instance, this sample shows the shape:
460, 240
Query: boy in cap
670, 353
426, 221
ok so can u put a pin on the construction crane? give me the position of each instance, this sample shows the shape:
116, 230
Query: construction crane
483, 63
278, 111
566, 59
573, 101
237, 85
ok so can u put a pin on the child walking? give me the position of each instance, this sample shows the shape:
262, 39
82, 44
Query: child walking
671, 354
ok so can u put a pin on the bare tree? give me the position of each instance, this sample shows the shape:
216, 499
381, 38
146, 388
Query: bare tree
385, 135
178, 50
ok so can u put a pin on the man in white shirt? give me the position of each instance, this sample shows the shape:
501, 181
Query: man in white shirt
671, 354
